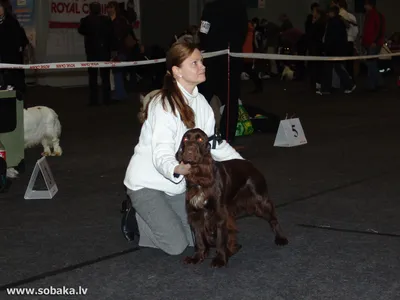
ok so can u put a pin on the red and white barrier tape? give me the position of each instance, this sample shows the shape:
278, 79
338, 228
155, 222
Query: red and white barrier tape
112, 64
81, 65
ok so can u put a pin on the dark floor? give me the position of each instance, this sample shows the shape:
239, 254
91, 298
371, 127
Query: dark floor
344, 180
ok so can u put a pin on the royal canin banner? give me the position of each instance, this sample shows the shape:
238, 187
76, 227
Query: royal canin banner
68, 13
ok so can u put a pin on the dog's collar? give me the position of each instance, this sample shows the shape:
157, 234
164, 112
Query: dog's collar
215, 138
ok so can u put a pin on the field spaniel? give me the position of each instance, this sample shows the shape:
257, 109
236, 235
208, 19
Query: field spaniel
217, 192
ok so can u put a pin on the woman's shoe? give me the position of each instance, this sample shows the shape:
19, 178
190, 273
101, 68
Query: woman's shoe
129, 225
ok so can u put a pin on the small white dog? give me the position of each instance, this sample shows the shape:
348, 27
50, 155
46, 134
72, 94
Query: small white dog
287, 73
41, 125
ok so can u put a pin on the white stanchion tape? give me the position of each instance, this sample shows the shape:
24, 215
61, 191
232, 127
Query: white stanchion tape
308, 58
97, 64
112, 64
215, 53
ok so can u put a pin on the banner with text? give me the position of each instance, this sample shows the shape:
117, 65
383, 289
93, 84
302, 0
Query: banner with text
64, 42
68, 13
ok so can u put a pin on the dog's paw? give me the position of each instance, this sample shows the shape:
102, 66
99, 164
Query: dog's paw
218, 262
57, 153
281, 241
12, 173
46, 153
192, 260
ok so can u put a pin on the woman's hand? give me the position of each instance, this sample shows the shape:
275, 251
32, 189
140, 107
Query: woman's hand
182, 169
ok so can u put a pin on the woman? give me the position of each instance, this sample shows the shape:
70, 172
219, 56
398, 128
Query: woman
154, 178
13, 43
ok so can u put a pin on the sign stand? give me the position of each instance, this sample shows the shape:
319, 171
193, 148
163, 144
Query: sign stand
290, 134
44, 168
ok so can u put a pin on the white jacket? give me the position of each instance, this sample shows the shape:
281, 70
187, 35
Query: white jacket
153, 162
352, 30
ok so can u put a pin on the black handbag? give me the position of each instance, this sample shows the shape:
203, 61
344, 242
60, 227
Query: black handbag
129, 226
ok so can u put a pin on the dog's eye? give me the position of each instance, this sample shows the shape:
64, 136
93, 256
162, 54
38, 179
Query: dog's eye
200, 140
185, 139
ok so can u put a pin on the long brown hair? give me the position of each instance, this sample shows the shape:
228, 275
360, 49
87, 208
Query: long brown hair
170, 92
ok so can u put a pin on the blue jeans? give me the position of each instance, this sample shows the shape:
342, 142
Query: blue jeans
119, 80
374, 76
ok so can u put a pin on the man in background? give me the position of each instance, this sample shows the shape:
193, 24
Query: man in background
98, 32
223, 24
373, 40
310, 18
335, 45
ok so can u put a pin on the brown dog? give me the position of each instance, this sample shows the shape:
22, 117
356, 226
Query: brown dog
216, 193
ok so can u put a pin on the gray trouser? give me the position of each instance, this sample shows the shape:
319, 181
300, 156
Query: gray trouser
162, 220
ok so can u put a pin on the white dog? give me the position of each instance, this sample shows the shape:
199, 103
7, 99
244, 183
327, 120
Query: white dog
41, 125
287, 73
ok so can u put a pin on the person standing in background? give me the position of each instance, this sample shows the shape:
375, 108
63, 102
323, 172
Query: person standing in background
271, 33
315, 36
250, 64
286, 24
131, 14
311, 17
352, 32
13, 44
335, 43
122, 38
98, 33
6, 4
223, 24
372, 40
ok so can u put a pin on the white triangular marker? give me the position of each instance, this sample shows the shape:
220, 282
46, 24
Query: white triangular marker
42, 166
290, 134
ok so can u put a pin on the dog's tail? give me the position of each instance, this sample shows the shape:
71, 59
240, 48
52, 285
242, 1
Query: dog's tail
57, 126
144, 100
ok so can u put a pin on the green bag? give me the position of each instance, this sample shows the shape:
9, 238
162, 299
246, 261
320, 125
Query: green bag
244, 125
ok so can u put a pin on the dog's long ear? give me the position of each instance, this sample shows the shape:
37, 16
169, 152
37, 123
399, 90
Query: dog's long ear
179, 153
208, 147
205, 171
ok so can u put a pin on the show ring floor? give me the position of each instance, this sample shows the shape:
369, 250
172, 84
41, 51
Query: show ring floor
337, 198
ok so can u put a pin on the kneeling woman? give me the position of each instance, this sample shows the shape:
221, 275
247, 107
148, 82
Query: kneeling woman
157, 195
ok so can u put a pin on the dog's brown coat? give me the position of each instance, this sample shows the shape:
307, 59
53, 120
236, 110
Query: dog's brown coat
217, 192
